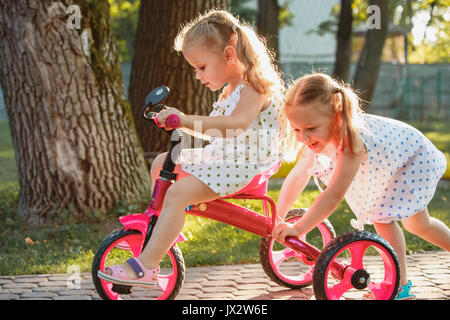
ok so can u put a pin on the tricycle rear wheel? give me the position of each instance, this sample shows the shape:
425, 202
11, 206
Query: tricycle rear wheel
125, 243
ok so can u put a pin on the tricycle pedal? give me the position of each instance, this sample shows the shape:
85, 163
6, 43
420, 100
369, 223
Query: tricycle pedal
120, 289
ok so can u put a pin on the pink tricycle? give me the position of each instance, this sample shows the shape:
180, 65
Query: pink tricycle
347, 267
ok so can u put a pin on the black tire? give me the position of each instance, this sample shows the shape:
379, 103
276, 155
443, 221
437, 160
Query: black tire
334, 248
174, 254
266, 248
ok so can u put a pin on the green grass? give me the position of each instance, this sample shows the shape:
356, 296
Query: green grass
55, 247
8, 168
439, 134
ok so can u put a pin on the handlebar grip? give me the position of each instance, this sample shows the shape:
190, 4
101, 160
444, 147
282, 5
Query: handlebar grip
172, 122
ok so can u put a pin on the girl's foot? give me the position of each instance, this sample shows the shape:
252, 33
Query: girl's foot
133, 273
402, 294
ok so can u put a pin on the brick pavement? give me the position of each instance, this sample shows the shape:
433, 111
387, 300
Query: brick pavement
429, 272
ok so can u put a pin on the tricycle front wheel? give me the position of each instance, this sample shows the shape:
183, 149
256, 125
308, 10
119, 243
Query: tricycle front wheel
371, 269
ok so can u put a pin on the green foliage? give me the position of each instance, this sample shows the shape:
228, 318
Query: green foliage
402, 16
433, 47
285, 16
248, 13
125, 16
124, 20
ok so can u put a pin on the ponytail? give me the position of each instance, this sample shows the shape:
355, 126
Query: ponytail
350, 120
259, 68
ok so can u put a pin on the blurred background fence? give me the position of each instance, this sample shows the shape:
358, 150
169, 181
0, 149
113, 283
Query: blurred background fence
409, 92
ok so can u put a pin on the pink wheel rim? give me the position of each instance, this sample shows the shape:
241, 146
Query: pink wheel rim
133, 243
278, 257
381, 290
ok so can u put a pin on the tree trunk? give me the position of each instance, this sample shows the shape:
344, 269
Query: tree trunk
71, 127
368, 67
344, 41
267, 24
155, 63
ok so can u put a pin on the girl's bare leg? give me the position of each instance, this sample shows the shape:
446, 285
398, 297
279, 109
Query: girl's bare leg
393, 234
182, 193
157, 165
429, 229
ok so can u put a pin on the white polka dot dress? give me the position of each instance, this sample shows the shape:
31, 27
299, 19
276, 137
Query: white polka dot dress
398, 177
227, 165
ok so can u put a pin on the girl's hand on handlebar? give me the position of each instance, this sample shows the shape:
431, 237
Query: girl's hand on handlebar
164, 114
283, 230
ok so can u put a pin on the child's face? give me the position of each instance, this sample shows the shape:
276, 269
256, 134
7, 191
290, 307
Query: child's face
210, 66
313, 126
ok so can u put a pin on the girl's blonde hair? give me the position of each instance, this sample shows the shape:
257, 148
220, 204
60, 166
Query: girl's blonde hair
217, 29
320, 87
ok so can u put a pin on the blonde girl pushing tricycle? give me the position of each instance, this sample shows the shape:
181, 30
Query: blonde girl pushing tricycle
386, 170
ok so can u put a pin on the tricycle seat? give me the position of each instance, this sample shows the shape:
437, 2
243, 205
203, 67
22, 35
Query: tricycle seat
258, 185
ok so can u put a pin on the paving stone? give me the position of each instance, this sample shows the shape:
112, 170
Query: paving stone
30, 279
73, 297
37, 295
8, 296
256, 279
5, 281
48, 289
219, 283
75, 292
16, 291
444, 286
215, 296
182, 296
191, 285
58, 277
246, 292
53, 283
14, 285
430, 296
254, 286
224, 277
192, 292
218, 290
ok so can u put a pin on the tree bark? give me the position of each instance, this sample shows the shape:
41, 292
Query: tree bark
367, 70
71, 126
155, 63
344, 41
268, 24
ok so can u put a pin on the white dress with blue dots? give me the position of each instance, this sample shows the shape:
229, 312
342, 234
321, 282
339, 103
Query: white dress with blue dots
227, 165
397, 178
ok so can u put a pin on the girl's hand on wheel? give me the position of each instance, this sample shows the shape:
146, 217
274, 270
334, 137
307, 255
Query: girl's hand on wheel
164, 114
283, 230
